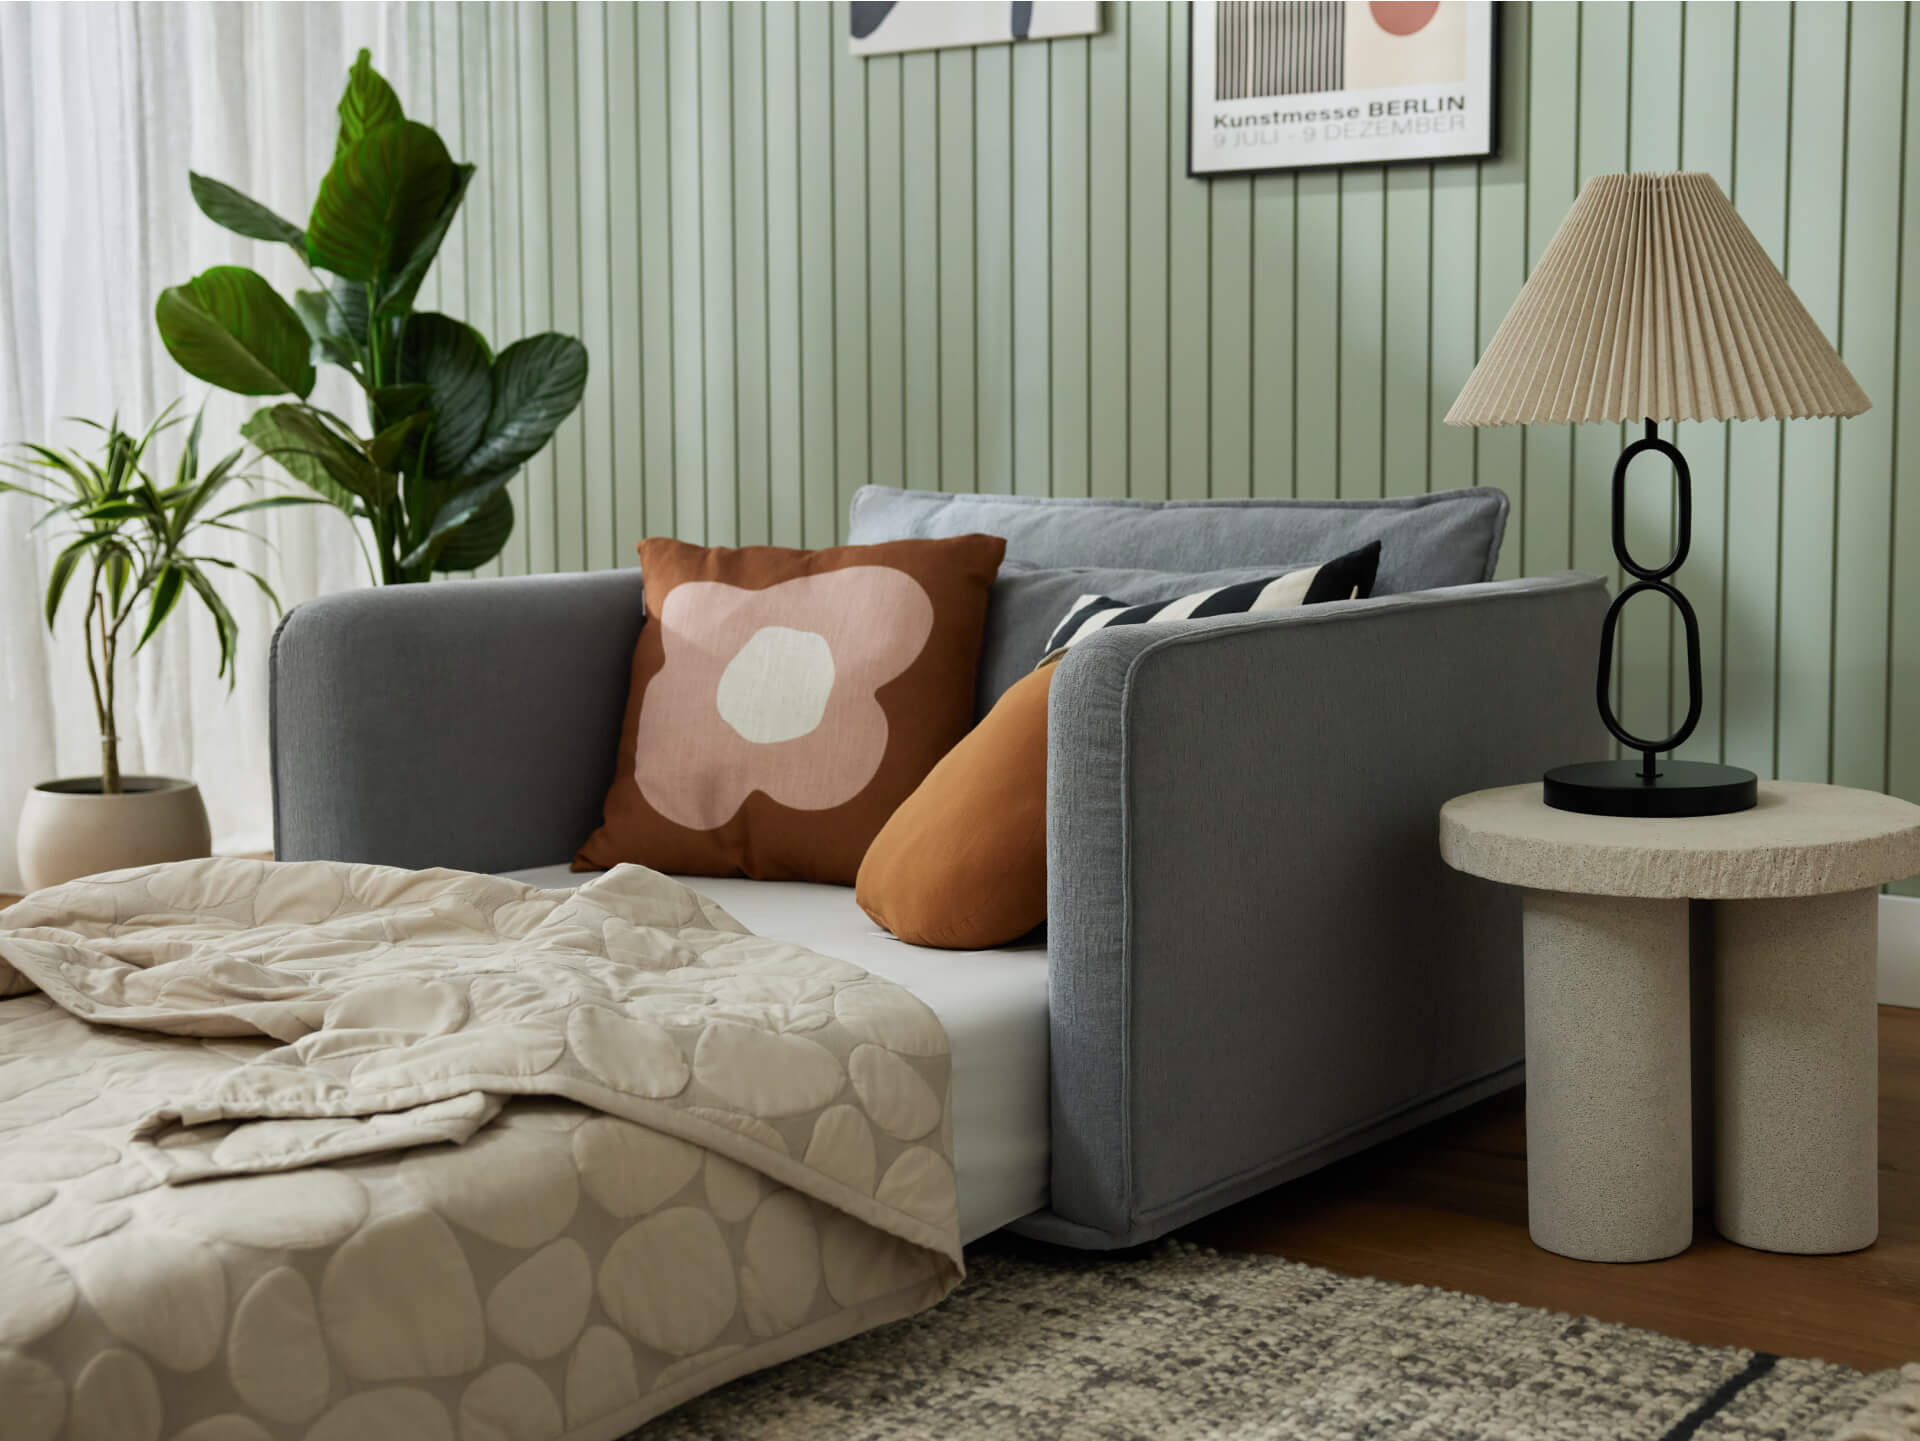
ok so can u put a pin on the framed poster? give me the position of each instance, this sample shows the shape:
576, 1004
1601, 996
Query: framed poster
888, 27
1294, 84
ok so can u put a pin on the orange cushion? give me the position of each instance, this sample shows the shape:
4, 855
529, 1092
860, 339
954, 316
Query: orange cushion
784, 702
963, 863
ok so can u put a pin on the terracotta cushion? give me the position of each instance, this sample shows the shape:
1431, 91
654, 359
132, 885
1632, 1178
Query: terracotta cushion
963, 863
784, 702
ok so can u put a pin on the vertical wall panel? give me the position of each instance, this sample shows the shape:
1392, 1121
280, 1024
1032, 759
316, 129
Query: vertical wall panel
620, 256
816, 44
506, 191
1759, 192
886, 272
1816, 170
719, 245
1189, 288
531, 102
572, 480
1153, 161
994, 287
920, 266
954, 245
1232, 288
1067, 282
1031, 269
749, 274
602, 481
1545, 531
1408, 261
1869, 329
1499, 456
1275, 200
656, 387
799, 272
1903, 533
1108, 313
786, 399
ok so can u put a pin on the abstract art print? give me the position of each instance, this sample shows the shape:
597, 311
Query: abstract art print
887, 27
1294, 84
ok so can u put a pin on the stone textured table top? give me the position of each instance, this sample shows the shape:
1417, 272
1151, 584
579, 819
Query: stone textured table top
1800, 840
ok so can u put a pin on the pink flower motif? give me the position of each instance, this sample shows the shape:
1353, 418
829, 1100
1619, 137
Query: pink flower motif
774, 690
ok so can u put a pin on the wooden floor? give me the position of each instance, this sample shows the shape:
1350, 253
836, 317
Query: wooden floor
1447, 1206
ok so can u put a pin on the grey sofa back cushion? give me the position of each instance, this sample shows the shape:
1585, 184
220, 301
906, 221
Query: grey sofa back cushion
1027, 603
1449, 538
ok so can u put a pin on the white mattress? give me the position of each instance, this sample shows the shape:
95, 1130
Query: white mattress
993, 1004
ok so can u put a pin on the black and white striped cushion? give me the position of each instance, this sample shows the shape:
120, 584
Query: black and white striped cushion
1347, 577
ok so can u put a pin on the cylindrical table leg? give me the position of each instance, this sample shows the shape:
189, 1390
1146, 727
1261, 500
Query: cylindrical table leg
1796, 1085
1609, 1091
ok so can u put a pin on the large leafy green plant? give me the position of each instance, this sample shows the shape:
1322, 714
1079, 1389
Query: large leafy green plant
450, 421
136, 541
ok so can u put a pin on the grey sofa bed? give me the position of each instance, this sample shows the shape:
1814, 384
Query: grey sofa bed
1256, 962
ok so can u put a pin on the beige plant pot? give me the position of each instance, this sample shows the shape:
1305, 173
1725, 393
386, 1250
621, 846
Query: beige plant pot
69, 829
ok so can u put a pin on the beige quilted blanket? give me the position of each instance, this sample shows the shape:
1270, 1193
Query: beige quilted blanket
229, 1209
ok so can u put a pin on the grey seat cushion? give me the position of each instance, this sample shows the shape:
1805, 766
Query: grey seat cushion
1449, 538
1027, 603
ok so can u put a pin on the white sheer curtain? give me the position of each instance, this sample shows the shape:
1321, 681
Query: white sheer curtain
103, 110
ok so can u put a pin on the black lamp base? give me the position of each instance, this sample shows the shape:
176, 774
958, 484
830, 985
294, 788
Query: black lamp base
1678, 788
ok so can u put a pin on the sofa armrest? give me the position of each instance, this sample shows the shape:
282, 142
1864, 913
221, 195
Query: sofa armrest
470, 724
1258, 960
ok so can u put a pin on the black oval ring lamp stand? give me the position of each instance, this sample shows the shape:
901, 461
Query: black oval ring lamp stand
1654, 302
1650, 786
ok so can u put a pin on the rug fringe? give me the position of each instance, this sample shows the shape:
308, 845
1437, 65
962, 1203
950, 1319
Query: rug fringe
1891, 1416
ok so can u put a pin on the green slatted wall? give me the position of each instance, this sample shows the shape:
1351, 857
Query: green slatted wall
986, 269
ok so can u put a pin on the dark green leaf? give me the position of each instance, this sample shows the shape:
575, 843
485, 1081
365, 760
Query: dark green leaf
397, 402
257, 579
480, 539
79, 475
327, 329
223, 622
367, 104
243, 215
8, 487
108, 511
536, 384
119, 569
350, 309
455, 513
166, 590
379, 201
190, 452
228, 327
450, 357
397, 296
391, 448
62, 572
314, 453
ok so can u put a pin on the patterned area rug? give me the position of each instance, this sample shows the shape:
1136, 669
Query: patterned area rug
1177, 1341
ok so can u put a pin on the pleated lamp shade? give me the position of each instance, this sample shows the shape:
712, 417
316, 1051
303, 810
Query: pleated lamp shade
1655, 302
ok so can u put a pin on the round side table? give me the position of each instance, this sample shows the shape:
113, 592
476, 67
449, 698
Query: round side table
1775, 910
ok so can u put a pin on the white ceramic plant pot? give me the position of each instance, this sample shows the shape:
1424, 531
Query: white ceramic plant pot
69, 829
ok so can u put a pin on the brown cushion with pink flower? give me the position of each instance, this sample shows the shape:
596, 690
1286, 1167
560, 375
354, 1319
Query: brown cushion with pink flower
784, 702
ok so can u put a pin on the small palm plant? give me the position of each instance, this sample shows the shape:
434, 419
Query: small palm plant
137, 542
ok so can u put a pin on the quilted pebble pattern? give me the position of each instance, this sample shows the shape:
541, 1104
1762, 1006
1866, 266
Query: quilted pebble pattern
671, 1168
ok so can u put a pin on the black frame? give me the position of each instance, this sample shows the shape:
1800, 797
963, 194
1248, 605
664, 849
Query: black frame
1474, 157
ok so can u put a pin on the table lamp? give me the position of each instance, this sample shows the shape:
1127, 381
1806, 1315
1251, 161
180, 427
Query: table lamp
1654, 302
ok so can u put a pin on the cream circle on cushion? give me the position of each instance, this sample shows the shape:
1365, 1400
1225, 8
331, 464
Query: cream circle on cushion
779, 684
776, 686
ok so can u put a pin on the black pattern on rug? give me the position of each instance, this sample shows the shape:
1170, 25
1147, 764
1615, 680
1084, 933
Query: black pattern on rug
1178, 1341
